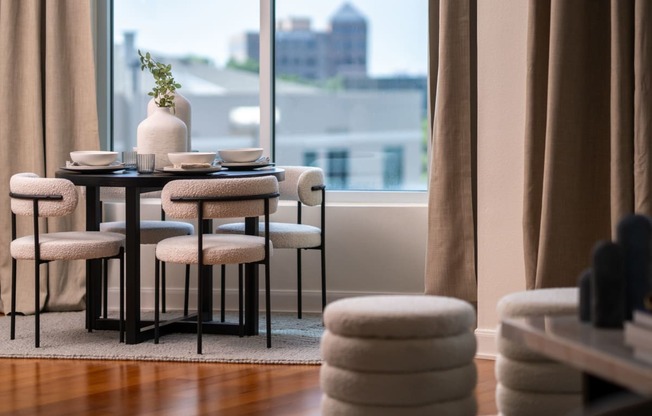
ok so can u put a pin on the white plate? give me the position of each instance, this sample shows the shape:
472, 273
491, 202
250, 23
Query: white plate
95, 169
172, 169
246, 165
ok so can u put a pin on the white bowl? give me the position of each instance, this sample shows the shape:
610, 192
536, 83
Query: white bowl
178, 158
241, 155
94, 157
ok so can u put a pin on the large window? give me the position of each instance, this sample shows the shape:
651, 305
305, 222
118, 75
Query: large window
349, 88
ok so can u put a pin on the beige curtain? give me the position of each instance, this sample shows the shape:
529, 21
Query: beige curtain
451, 251
48, 108
588, 130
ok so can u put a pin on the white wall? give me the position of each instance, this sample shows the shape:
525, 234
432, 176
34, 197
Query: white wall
372, 248
502, 39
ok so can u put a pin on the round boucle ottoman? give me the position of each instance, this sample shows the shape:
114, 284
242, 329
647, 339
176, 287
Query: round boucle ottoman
399, 316
528, 383
537, 377
398, 389
398, 355
461, 407
512, 402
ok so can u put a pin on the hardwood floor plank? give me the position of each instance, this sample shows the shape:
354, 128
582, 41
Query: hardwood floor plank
78, 387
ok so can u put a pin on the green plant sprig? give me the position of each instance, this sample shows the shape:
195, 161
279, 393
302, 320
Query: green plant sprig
163, 91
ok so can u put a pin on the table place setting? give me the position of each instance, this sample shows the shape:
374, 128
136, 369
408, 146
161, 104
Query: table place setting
93, 161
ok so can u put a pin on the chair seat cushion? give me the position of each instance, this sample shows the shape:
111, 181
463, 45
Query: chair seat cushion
283, 235
399, 316
218, 249
537, 377
394, 389
466, 406
69, 245
398, 355
152, 231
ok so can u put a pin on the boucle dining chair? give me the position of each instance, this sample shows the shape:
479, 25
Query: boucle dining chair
305, 185
151, 232
39, 197
207, 199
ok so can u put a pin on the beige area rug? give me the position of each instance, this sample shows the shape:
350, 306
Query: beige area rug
294, 341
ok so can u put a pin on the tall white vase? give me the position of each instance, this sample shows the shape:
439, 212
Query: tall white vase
182, 109
162, 133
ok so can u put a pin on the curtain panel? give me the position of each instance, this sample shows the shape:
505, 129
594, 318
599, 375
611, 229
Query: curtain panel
588, 130
48, 108
451, 252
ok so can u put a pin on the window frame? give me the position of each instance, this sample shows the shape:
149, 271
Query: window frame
103, 39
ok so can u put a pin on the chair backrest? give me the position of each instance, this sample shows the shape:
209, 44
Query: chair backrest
30, 184
257, 189
299, 184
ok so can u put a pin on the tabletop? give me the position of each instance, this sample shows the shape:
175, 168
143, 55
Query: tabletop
601, 352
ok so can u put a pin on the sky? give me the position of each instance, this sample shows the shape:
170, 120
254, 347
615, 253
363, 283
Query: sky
398, 29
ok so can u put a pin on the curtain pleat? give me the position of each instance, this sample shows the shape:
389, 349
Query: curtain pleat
48, 107
587, 135
451, 251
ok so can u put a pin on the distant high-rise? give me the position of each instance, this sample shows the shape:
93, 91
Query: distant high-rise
300, 51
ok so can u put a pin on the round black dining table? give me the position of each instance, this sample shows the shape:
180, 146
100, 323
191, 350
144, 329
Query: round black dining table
134, 183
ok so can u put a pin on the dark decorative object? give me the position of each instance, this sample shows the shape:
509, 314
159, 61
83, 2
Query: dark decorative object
585, 295
608, 286
634, 236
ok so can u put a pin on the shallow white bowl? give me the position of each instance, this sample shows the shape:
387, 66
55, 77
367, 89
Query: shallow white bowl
94, 157
178, 158
249, 154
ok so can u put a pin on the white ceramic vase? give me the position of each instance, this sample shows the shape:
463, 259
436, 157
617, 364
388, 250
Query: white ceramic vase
182, 109
162, 133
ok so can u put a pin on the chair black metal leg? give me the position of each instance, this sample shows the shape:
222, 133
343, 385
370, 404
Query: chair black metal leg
222, 292
199, 307
163, 308
156, 300
268, 306
299, 283
105, 288
37, 303
323, 279
240, 301
14, 265
187, 290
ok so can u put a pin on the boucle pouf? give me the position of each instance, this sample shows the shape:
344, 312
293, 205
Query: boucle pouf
551, 301
398, 355
399, 316
518, 403
461, 407
398, 389
537, 377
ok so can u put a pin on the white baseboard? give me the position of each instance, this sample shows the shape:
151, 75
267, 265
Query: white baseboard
486, 339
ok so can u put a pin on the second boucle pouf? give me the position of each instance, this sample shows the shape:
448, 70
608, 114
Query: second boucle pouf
398, 352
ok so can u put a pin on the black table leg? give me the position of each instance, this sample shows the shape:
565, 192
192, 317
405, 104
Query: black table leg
132, 265
93, 267
251, 285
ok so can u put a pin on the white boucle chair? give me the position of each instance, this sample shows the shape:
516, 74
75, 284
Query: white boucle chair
305, 185
151, 232
528, 383
218, 198
34, 196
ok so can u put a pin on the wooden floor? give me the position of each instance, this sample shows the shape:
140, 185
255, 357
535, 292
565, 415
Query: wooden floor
76, 387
